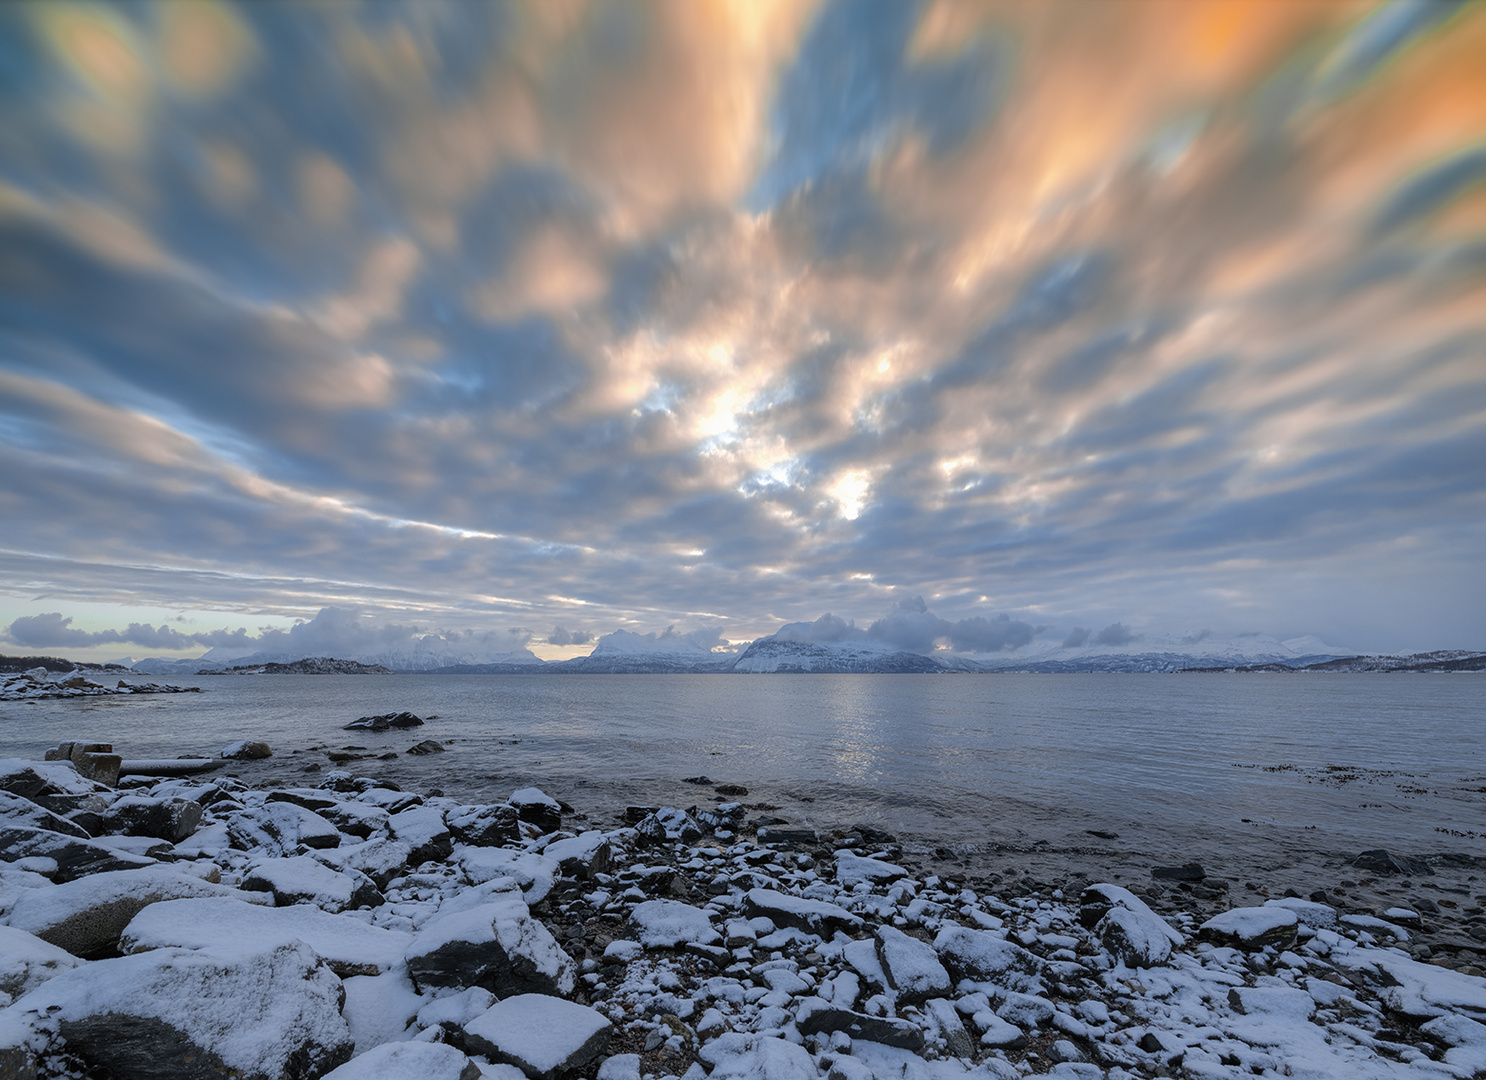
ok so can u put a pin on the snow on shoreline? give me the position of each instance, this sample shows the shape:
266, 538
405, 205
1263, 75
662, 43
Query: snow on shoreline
356, 930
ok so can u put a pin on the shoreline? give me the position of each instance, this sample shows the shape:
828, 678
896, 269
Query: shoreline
682, 943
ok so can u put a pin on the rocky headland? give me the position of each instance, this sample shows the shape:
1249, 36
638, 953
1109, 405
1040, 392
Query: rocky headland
41, 683
200, 926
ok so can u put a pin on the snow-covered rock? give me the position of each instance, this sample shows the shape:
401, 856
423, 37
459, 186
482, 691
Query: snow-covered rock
263, 1014
86, 916
1250, 927
542, 1036
669, 924
911, 966
408, 1061
303, 880
497, 945
26, 962
349, 946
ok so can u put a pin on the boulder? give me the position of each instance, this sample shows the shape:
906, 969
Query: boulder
1381, 861
544, 1037
303, 880
86, 917
1186, 872
71, 858
983, 956
535, 874
814, 1016
911, 966
14, 810
246, 750
537, 807
385, 721
1250, 928
169, 819
423, 829
812, 916
42, 781
408, 1061
669, 924
495, 944
484, 826
427, 746
181, 1014
26, 962
349, 946
945, 1023
380, 859
581, 856
853, 870
744, 1056
278, 828
1133, 933
355, 818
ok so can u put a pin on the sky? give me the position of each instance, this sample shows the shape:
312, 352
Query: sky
531, 322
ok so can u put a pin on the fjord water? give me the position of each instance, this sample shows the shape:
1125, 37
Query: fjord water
1243, 770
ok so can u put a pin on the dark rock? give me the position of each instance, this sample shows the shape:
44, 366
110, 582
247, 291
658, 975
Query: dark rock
1381, 861
302, 880
633, 815
427, 746
542, 1036
425, 831
246, 751
986, 957
170, 819
732, 791
812, 916
1251, 928
783, 834
15, 810
484, 826
1103, 834
127, 1017
497, 945
307, 799
912, 967
537, 807
278, 828
75, 857
385, 721
1186, 872
815, 1017
706, 781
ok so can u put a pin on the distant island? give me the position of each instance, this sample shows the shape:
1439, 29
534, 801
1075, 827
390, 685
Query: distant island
310, 665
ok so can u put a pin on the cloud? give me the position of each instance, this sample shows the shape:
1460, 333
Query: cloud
1077, 638
52, 629
561, 636
1115, 634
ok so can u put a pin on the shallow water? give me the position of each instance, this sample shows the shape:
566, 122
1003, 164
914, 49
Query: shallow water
1242, 771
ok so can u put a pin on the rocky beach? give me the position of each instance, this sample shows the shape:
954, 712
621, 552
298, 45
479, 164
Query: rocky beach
298, 920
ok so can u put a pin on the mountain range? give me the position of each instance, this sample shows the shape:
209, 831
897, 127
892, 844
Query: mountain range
625, 653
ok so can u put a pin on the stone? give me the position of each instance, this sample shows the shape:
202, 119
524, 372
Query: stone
15, 810
246, 751
537, 807
669, 924
950, 1029
169, 819
303, 880
983, 956
745, 1056
424, 830
385, 721
1250, 928
408, 1061
354, 818
1186, 872
853, 870
544, 1037
74, 858
495, 944
814, 1016
380, 859
427, 746
26, 962
1133, 933
812, 916
100, 767
911, 966
86, 917
581, 856
484, 826
349, 946
1381, 861
279, 828
183, 1014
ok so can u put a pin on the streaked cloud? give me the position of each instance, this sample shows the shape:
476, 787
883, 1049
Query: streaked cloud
722, 315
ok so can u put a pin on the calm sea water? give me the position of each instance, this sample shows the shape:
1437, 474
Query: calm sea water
1246, 770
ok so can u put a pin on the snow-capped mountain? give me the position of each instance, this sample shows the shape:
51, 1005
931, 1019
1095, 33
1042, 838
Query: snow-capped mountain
770, 654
